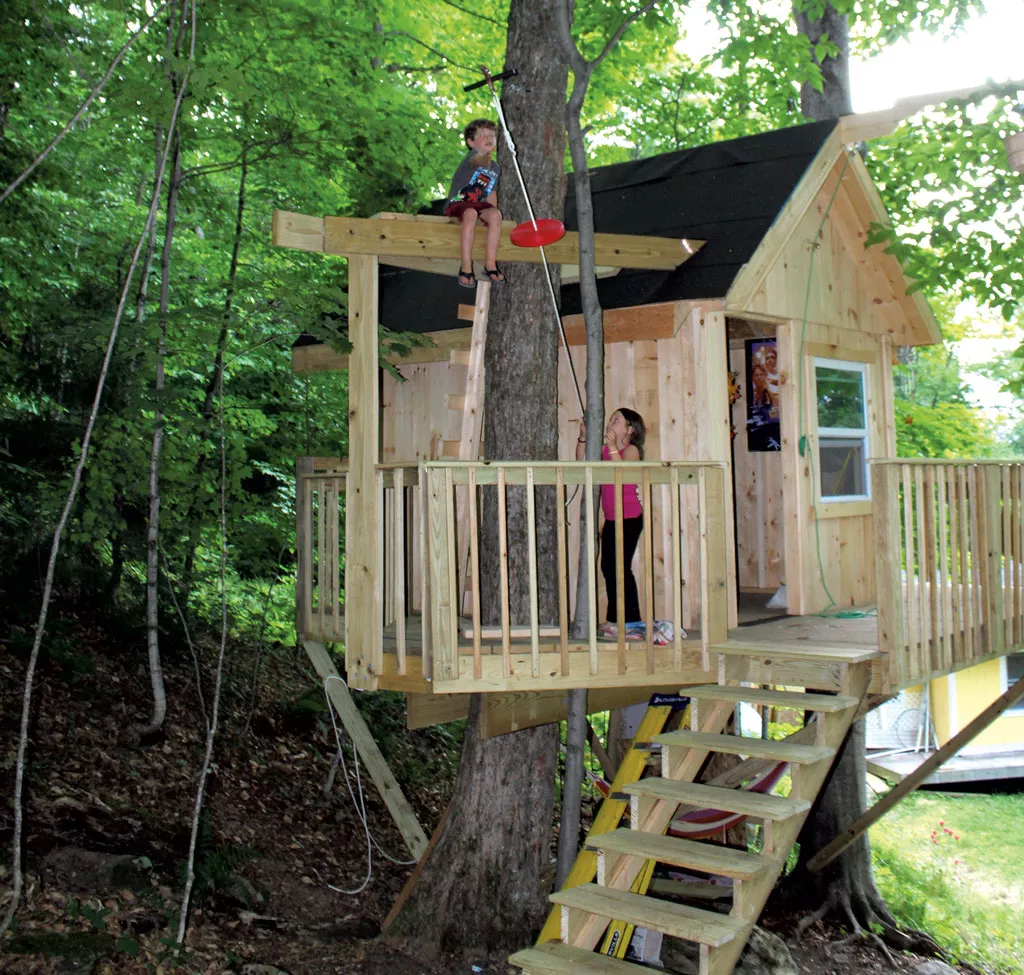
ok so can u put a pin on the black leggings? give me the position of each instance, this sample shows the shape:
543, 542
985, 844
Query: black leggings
631, 528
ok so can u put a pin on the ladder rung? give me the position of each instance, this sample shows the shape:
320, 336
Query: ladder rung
677, 920
797, 700
456, 401
722, 861
555, 958
779, 751
712, 797
459, 357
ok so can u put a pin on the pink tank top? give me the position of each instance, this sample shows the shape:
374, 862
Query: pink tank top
631, 507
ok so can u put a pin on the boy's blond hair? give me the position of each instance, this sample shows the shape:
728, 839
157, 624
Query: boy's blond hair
478, 123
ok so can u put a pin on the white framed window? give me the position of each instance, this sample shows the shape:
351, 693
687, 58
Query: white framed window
1012, 667
843, 448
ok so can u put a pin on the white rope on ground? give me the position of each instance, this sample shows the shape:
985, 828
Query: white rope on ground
543, 256
358, 800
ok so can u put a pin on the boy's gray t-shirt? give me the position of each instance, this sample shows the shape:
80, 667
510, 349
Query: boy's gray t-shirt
474, 182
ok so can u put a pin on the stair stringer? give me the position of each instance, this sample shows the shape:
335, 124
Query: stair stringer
807, 782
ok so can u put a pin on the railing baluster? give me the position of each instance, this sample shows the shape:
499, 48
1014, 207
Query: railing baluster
334, 514
956, 623
1006, 561
399, 569
426, 603
620, 573
531, 535
924, 571
1018, 554
453, 577
677, 576
378, 578
506, 642
563, 572
591, 525
943, 654
885, 491
963, 482
303, 545
932, 657
910, 596
648, 549
322, 571
474, 568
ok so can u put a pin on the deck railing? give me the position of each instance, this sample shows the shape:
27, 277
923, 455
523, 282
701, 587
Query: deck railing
427, 616
949, 543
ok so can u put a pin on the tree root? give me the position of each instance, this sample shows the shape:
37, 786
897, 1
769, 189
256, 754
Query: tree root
868, 919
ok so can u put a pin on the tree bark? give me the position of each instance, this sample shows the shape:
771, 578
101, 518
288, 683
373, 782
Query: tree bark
485, 884
834, 98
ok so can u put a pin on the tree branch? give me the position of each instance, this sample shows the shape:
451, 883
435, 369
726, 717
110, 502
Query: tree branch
83, 108
433, 50
614, 39
476, 14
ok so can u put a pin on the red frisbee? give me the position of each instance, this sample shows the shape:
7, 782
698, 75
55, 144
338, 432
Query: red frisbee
546, 232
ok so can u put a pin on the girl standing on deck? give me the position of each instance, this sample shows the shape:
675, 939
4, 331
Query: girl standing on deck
623, 440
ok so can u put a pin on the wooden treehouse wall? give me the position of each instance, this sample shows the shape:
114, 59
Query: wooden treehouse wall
677, 383
848, 320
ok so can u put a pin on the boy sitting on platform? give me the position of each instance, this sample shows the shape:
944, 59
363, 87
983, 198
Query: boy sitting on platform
472, 198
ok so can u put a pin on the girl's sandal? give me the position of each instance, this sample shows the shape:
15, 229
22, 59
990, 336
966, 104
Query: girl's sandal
494, 275
467, 279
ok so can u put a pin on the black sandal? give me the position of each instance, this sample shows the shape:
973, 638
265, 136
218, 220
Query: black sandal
494, 275
467, 279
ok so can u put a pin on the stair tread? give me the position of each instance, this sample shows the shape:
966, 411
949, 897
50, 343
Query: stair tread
723, 861
556, 958
677, 920
799, 700
832, 653
714, 797
780, 751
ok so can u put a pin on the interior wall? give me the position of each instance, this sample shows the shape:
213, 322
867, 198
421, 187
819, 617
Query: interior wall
760, 536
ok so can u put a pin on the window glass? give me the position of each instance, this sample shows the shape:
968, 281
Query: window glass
842, 467
840, 398
840, 391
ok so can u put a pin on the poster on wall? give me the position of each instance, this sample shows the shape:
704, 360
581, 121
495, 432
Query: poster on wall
762, 395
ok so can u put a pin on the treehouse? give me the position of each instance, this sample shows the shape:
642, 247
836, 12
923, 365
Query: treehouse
751, 322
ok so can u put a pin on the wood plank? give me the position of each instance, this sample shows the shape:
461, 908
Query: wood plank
780, 751
398, 584
555, 958
362, 739
620, 572
563, 572
591, 525
354, 236
531, 545
836, 653
677, 920
711, 797
722, 861
888, 571
506, 647
303, 545
795, 700
474, 574
362, 653
320, 357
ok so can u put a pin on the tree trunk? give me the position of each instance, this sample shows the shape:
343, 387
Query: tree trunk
156, 673
834, 98
485, 883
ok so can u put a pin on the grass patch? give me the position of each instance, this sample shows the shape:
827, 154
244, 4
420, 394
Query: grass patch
953, 865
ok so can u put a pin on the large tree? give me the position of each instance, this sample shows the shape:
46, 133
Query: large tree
486, 881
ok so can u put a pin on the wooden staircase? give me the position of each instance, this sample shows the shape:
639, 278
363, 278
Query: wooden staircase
623, 853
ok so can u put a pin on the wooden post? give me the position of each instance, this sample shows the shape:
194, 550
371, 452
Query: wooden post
888, 574
915, 778
398, 567
362, 740
363, 655
303, 546
714, 570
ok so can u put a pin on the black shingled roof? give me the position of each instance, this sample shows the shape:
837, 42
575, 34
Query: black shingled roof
727, 193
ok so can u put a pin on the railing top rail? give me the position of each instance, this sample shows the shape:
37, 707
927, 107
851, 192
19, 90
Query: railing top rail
946, 462
631, 465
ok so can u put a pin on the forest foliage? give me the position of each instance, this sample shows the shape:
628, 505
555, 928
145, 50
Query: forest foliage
349, 109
